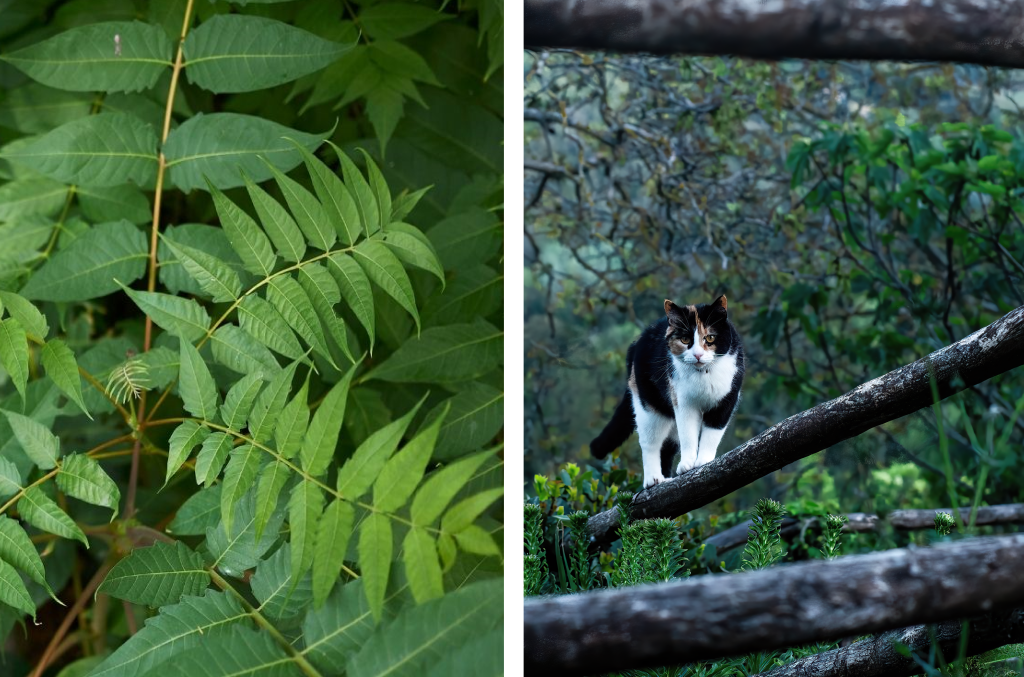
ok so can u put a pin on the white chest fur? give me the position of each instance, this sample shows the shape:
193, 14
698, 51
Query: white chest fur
702, 388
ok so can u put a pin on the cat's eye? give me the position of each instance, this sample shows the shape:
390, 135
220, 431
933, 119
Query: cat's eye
709, 339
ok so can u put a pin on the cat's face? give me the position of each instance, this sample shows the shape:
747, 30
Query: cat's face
698, 335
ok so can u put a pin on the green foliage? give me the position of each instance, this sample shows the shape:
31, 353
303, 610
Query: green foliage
944, 523
246, 391
764, 545
833, 535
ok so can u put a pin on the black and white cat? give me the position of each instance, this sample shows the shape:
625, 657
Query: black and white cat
685, 373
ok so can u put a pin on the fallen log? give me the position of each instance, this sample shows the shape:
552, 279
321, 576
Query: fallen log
1011, 513
722, 615
995, 349
736, 536
878, 657
975, 31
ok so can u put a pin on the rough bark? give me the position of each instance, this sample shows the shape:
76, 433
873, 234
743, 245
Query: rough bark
976, 31
877, 657
1012, 513
987, 352
720, 615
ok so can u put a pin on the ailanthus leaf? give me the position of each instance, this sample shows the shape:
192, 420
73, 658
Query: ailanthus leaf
25, 312
457, 352
16, 549
304, 509
281, 598
379, 188
422, 567
279, 224
475, 540
240, 53
239, 351
400, 475
269, 403
239, 400
291, 426
14, 353
306, 209
414, 251
272, 479
156, 575
290, 299
332, 536
212, 456
108, 149
354, 286
185, 438
385, 270
177, 315
359, 471
394, 20
10, 479
246, 238
366, 204
464, 513
62, 368
83, 478
35, 439
338, 204
114, 56
323, 293
439, 489
321, 436
199, 512
195, 384
239, 652
261, 320
40, 511
375, 549
90, 265
239, 475
13, 592
215, 277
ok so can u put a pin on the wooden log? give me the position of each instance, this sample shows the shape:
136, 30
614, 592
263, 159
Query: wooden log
722, 615
1011, 513
975, 31
995, 349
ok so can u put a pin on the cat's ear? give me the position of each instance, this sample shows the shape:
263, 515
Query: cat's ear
721, 302
672, 310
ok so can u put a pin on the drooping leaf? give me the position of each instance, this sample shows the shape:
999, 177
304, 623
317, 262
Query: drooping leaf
415, 252
62, 368
366, 204
40, 511
196, 385
247, 239
264, 323
466, 239
291, 425
305, 506
473, 292
379, 188
185, 438
400, 475
332, 536
216, 277
176, 631
114, 56
114, 202
83, 478
156, 575
464, 513
91, 265
338, 204
239, 652
394, 20
13, 592
239, 53
102, 150
452, 353
269, 403
439, 489
375, 549
199, 512
16, 549
177, 315
290, 299
10, 479
484, 652
14, 353
237, 550
321, 436
35, 439
422, 567
25, 312
477, 414
355, 289
239, 400
385, 270
421, 636
220, 146
272, 480
279, 224
306, 209
239, 475
475, 540
31, 196
360, 471
212, 456
237, 350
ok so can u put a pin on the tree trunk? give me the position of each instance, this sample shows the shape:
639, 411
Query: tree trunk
877, 657
733, 614
987, 352
1012, 513
975, 31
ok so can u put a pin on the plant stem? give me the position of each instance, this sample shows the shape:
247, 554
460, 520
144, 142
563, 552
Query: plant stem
300, 660
154, 232
51, 649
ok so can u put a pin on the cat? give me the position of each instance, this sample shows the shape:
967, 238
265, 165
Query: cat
685, 374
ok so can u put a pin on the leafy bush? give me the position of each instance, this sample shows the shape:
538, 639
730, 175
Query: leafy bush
255, 246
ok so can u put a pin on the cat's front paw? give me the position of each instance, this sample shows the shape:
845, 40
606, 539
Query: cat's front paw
684, 468
651, 480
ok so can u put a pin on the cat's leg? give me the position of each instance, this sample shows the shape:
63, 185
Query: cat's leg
652, 428
714, 424
688, 423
